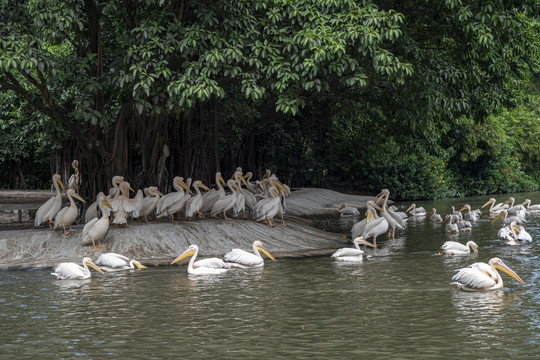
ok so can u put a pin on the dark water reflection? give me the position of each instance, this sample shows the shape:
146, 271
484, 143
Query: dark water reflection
397, 304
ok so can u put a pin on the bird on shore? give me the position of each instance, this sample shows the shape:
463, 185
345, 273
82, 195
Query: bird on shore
68, 214
348, 210
209, 266
111, 262
194, 203
482, 276
243, 259
148, 204
351, 254
95, 229
72, 271
51, 207
170, 204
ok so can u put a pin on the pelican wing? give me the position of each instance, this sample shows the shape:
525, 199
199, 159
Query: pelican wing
243, 257
68, 271
43, 210
168, 200
347, 252
454, 245
112, 260
89, 225
133, 204
213, 263
474, 278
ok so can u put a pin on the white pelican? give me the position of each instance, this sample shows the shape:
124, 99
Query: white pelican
508, 220
455, 248
92, 210
51, 207
243, 259
72, 271
481, 276
433, 216
148, 204
416, 211
96, 228
111, 262
227, 202
348, 210
171, 203
531, 208
125, 205
194, 203
374, 226
394, 219
267, 209
208, 266
115, 190
68, 214
470, 215
252, 187
495, 208
210, 197
351, 254
451, 224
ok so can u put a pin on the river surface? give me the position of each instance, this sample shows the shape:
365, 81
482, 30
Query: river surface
397, 304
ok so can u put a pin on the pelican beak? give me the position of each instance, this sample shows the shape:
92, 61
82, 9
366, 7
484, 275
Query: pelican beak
184, 255
222, 181
76, 196
430, 213
90, 263
204, 187
342, 206
463, 208
475, 249
266, 174
131, 189
486, 204
381, 196
507, 202
498, 217
409, 209
106, 203
244, 181
369, 216
182, 184
376, 207
138, 265
61, 185
279, 186
261, 249
501, 266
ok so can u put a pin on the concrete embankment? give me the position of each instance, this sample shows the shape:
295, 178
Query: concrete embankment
159, 243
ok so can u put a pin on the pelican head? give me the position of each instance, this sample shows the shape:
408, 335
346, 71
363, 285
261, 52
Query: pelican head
135, 263
360, 241
258, 245
490, 201
498, 264
473, 246
190, 251
412, 207
57, 178
72, 192
89, 262
503, 213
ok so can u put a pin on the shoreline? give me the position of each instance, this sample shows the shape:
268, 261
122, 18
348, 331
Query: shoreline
158, 243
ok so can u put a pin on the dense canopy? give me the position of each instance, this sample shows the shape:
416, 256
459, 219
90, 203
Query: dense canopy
369, 94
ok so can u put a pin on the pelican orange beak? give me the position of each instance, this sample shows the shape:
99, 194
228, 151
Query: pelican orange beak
486, 204
61, 185
222, 181
97, 268
463, 208
131, 189
261, 249
342, 206
183, 185
381, 196
409, 209
244, 181
204, 187
281, 187
106, 203
430, 213
185, 254
501, 266
498, 217
376, 206
138, 265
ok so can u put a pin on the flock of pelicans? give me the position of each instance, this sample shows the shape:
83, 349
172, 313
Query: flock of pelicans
476, 277
264, 200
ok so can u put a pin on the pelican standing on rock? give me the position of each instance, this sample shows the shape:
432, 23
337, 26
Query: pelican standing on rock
209, 266
243, 259
351, 254
111, 262
482, 276
455, 248
148, 204
51, 207
194, 203
72, 271
95, 229
67, 215
210, 197
171, 203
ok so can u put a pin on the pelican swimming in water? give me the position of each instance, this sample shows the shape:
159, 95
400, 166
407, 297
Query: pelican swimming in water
495, 208
72, 271
508, 220
416, 211
470, 215
67, 215
209, 266
455, 248
352, 254
531, 208
111, 262
243, 259
482, 276
51, 207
